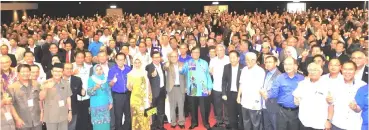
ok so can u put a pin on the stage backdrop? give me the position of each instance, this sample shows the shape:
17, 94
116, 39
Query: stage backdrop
117, 11
216, 8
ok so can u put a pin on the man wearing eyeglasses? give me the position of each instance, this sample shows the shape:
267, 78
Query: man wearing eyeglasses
362, 70
313, 91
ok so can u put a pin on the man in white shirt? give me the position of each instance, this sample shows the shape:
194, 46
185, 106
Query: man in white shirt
310, 95
216, 69
82, 71
133, 49
143, 54
343, 96
334, 76
29, 59
251, 82
106, 37
165, 47
362, 70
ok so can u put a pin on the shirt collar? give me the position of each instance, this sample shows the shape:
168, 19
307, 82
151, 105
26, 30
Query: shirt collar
294, 76
273, 71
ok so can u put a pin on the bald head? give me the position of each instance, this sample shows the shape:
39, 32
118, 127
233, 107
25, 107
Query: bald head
250, 59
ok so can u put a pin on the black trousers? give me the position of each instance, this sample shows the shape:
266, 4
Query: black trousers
308, 128
269, 120
220, 108
159, 103
204, 104
251, 119
287, 119
83, 115
121, 104
234, 111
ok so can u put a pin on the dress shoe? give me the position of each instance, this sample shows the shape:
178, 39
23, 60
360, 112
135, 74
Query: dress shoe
181, 126
217, 125
173, 126
207, 127
162, 128
228, 127
193, 127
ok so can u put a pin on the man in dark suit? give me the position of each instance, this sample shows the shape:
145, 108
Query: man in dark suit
362, 70
35, 49
270, 108
155, 73
66, 39
76, 87
339, 53
229, 37
230, 85
69, 54
46, 59
4, 51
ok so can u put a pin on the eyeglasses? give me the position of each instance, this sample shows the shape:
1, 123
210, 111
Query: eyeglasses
357, 58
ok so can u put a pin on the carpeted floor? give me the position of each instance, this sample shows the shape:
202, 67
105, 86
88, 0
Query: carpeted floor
200, 127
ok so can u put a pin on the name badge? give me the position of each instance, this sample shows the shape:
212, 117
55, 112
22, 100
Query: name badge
8, 116
61, 103
30, 103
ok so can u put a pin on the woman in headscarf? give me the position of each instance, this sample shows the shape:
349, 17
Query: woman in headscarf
140, 96
101, 100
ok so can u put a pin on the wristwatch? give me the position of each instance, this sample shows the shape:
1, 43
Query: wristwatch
329, 120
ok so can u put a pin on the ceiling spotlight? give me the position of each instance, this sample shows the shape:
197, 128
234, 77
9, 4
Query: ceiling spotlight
113, 6
215, 3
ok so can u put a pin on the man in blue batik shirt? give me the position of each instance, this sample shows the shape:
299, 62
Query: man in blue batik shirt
199, 86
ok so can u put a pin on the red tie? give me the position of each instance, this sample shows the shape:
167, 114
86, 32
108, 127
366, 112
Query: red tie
67, 57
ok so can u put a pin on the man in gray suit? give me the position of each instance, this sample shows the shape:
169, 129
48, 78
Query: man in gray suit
270, 106
175, 86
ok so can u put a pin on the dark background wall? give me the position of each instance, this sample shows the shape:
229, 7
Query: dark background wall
86, 8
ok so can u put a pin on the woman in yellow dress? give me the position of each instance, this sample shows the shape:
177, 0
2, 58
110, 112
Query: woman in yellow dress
140, 96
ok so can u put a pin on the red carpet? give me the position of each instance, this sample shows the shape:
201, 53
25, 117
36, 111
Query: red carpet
188, 122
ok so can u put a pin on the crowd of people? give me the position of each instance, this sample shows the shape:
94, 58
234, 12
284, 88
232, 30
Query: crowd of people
259, 70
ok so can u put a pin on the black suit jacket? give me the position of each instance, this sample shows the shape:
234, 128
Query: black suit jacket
37, 53
154, 81
46, 60
227, 78
71, 60
365, 75
13, 59
343, 57
76, 87
228, 37
70, 41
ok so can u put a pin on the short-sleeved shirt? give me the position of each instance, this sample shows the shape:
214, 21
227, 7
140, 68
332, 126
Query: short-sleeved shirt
53, 112
26, 102
217, 65
251, 82
6, 123
313, 109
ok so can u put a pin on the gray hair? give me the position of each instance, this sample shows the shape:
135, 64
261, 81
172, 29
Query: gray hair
251, 55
